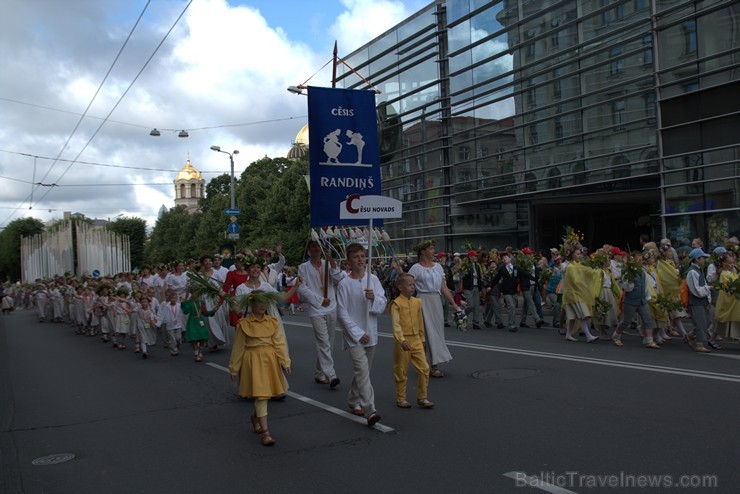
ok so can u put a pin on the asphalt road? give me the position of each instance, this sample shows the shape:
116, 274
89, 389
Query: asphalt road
513, 409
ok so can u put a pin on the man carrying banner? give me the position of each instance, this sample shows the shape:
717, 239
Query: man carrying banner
319, 292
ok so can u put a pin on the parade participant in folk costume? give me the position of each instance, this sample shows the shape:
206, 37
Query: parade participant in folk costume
122, 309
319, 291
442, 259
606, 308
234, 278
259, 358
492, 292
177, 280
216, 322
146, 321
196, 330
635, 300
270, 271
700, 297
219, 272
408, 336
554, 277
527, 282
146, 279
101, 317
471, 276
430, 283
171, 316
669, 285
507, 275
255, 266
580, 287
360, 328
42, 301
727, 313
650, 254
159, 282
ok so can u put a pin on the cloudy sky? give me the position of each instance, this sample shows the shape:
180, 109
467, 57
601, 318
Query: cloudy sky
220, 74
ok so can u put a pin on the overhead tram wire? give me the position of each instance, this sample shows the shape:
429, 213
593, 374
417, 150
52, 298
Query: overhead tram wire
123, 95
140, 126
79, 121
97, 91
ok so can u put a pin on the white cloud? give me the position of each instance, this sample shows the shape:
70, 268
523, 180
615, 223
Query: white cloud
222, 65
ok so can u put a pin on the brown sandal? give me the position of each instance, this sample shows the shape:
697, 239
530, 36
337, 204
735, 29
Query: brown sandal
267, 439
256, 425
425, 403
403, 404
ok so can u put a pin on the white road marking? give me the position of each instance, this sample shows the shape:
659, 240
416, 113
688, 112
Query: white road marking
717, 376
328, 408
536, 483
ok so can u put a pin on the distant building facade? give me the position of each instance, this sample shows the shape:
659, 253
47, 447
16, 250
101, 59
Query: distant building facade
502, 121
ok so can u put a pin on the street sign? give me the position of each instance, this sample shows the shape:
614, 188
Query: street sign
233, 227
96, 273
232, 236
232, 211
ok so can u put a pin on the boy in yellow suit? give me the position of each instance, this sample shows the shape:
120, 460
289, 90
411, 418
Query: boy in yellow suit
408, 334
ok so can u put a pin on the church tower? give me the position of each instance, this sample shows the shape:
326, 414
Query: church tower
189, 187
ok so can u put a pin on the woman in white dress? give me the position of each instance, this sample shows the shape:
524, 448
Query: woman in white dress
177, 281
216, 324
430, 282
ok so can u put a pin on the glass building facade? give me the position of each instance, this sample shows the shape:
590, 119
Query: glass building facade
502, 121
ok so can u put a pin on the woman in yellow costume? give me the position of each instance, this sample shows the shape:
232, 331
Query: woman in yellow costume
727, 312
650, 255
580, 287
606, 311
669, 284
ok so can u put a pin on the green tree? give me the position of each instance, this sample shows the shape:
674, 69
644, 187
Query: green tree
173, 237
135, 228
10, 245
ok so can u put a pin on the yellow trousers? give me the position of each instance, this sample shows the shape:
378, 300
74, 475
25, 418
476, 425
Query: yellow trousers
401, 359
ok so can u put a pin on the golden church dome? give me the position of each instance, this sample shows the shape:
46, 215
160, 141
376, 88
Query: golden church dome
302, 136
300, 144
188, 173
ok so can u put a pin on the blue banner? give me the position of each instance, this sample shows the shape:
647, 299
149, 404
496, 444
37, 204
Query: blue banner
343, 151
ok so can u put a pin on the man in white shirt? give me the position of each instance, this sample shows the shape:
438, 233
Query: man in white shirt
219, 272
360, 328
319, 292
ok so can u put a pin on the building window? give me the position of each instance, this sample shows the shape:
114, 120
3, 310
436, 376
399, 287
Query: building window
531, 94
640, 5
650, 105
482, 152
617, 64
557, 88
553, 180
533, 134
618, 114
647, 52
463, 153
558, 128
691, 43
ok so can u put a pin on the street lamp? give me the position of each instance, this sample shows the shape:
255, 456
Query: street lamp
231, 159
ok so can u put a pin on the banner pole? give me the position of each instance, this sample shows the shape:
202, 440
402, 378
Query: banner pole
369, 272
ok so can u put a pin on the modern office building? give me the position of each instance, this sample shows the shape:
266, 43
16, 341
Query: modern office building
502, 121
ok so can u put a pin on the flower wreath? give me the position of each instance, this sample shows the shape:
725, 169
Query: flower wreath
424, 245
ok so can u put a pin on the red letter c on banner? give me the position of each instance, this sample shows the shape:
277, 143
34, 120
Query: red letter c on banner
350, 200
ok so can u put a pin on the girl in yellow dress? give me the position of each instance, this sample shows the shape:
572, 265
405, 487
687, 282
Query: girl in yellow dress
258, 359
